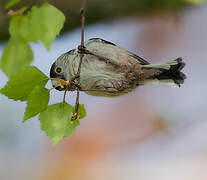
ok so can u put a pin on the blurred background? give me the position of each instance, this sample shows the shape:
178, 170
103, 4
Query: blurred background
153, 133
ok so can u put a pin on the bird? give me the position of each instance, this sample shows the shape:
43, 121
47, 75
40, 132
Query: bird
108, 70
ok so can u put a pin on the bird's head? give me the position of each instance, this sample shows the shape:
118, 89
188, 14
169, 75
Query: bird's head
60, 71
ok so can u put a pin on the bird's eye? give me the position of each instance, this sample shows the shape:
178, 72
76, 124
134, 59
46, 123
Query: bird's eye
58, 70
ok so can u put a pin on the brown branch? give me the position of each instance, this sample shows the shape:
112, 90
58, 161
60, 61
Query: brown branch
10, 14
75, 113
98, 91
16, 13
82, 36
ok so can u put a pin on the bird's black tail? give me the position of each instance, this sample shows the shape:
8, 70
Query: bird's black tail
166, 73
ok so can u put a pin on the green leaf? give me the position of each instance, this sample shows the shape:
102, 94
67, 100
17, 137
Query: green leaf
12, 3
16, 55
42, 23
48, 23
81, 111
22, 26
56, 121
37, 102
23, 82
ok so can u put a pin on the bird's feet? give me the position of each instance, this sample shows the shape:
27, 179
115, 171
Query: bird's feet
74, 116
82, 49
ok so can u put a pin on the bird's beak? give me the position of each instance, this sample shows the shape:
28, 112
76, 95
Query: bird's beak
55, 78
58, 86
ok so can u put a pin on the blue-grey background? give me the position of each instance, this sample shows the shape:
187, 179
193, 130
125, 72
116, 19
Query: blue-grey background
153, 133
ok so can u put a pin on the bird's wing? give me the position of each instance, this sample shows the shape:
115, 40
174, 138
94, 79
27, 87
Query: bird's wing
111, 51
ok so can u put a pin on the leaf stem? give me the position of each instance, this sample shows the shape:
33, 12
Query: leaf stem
64, 96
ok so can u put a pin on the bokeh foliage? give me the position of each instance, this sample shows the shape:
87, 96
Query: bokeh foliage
99, 10
27, 83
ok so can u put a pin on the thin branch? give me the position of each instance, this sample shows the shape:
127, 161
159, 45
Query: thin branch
10, 14
82, 89
98, 91
75, 114
16, 13
64, 96
82, 36
101, 58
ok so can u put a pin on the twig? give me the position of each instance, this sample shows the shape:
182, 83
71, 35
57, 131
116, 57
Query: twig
101, 58
98, 91
64, 96
75, 113
10, 14
82, 37
16, 13
34, 2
